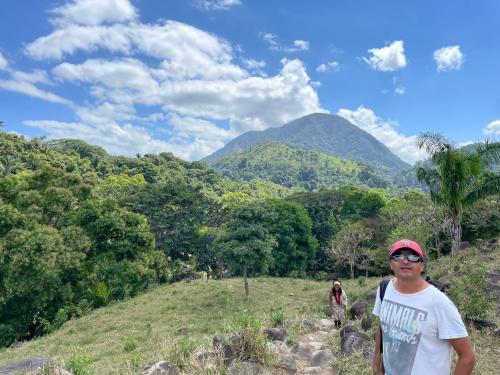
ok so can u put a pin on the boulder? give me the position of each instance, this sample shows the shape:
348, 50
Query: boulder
160, 368
310, 325
322, 358
277, 348
32, 365
355, 342
182, 331
366, 323
347, 329
306, 349
319, 371
288, 363
247, 368
464, 245
205, 357
480, 324
358, 309
228, 347
274, 334
443, 287
370, 297
326, 325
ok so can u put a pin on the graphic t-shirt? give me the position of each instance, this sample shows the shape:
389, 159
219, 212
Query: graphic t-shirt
415, 331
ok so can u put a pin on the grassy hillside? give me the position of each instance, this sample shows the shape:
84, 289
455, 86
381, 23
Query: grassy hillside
122, 337
296, 168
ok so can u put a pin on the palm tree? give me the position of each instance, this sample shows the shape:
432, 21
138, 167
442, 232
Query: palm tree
458, 177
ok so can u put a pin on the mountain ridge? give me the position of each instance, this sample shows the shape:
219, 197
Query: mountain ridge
327, 133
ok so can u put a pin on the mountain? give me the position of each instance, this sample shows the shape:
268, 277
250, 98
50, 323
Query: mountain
296, 168
329, 134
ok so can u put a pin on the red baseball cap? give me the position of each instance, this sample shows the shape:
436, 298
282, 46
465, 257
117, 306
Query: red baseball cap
406, 244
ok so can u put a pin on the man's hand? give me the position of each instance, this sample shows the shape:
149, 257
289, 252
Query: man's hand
466, 356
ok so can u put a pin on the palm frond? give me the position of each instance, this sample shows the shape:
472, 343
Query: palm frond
489, 152
489, 185
434, 143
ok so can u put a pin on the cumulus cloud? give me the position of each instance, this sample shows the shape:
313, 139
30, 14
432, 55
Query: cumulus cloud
492, 128
3, 62
168, 84
216, 4
330, 66
405, 147
387, 59
449, 58
400, 90
275, 45
94, 12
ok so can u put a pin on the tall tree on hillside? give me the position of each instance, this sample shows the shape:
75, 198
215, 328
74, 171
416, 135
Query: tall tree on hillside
458, 177
244, 242
347, 244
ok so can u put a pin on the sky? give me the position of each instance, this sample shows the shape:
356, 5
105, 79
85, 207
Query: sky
187, 76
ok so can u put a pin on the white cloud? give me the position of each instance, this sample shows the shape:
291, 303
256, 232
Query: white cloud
216, 4
492, 128
275, 45
449, 58
94, 12
400, 90
23, 83
301, 45
387, 59
3, 62
330, 66
170, 81
405, 147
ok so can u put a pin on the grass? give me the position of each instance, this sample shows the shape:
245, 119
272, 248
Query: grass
121, 338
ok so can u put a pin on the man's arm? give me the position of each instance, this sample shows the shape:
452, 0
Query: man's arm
377, 363
466, 356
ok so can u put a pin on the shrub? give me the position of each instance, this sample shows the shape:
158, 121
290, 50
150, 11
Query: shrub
130, 345
79, 364
468, 292
277, 317
180, 352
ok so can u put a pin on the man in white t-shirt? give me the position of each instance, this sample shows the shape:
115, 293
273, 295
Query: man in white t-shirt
419, 324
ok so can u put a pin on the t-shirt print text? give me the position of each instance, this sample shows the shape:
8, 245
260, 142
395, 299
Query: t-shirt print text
402, 329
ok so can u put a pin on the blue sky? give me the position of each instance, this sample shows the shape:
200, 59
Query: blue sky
187, 76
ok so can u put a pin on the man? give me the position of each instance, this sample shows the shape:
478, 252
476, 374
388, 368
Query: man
419, 324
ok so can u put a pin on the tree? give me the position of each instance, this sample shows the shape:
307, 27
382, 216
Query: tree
244, 241
458, 178
292, 230
347, 244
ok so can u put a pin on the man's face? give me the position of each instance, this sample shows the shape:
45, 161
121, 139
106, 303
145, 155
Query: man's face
404, 269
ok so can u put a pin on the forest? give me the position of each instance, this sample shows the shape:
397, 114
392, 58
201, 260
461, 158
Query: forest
80, 228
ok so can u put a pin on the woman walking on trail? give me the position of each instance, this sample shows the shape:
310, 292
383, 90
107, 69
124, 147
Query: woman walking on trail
338, 303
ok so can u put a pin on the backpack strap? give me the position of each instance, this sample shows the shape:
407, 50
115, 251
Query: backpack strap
383, 286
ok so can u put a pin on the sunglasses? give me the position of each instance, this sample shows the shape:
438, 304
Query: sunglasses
412, 258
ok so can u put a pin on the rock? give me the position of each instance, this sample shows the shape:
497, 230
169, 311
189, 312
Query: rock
160, 368
182, 331
322, 358
31, 364
347, 329
358, 309
370, 297
488, 245
480, 324
291, 294
289, 364
326, 325
310, 325
228, 347
366, 323
247, 368
278, 348
274, 334
464, 245
306, 349
205, 358
354, 342
439, 285
319, 371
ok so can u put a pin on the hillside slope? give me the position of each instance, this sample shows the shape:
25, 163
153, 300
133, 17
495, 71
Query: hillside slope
120, 338
296, 168
330, 134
